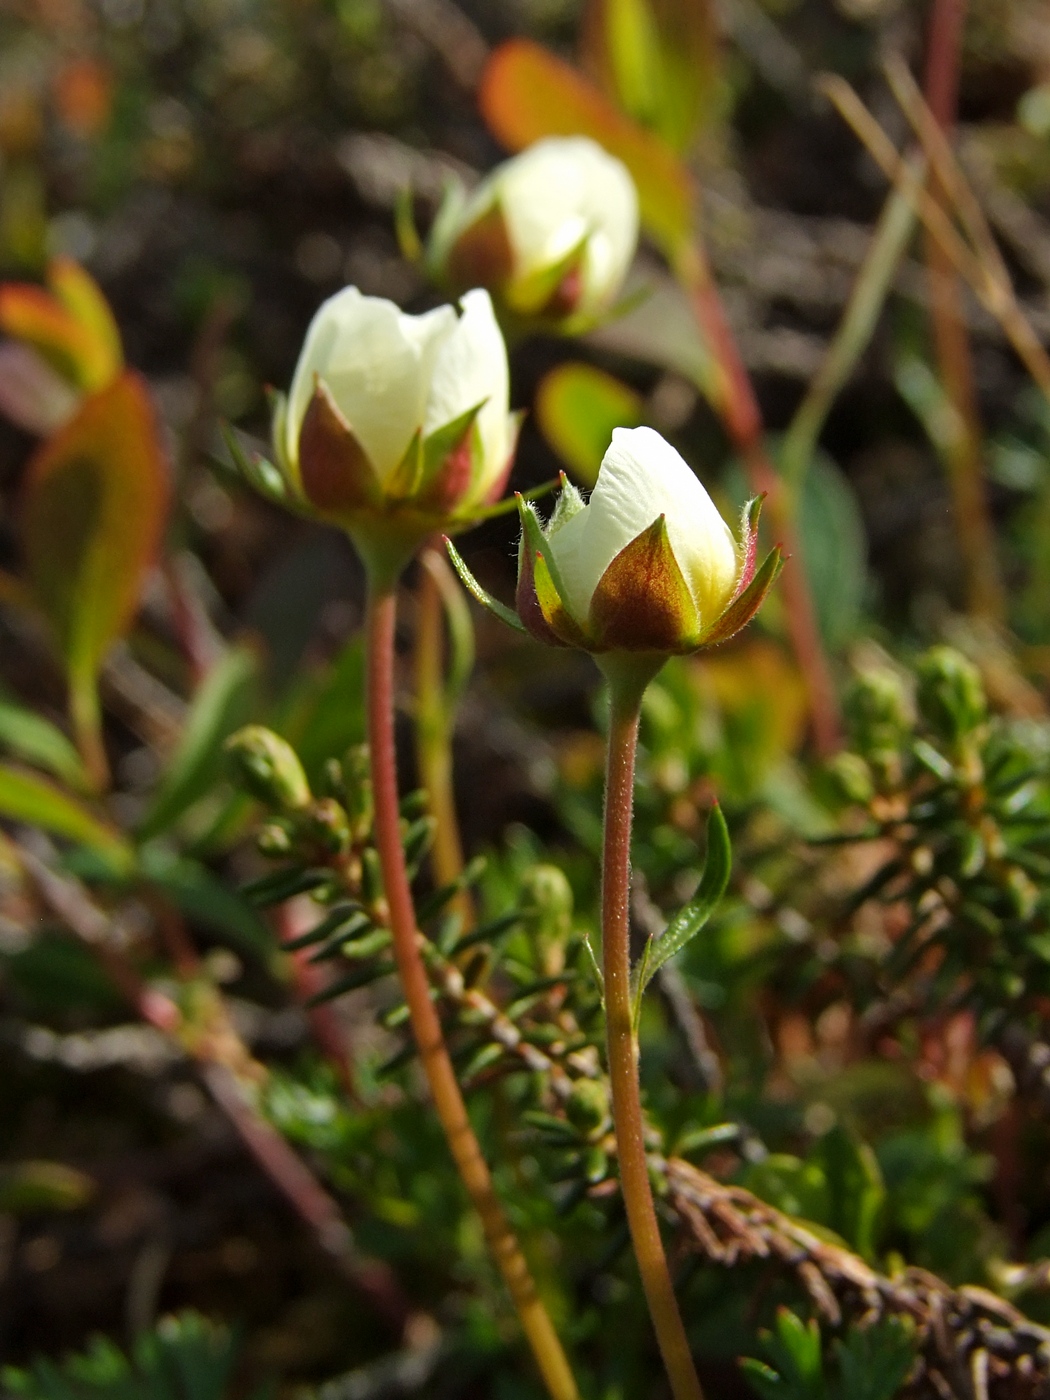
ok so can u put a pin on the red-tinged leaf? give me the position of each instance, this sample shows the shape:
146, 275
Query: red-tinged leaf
334, 470
29, 313
94, 507
577, 408
82, 297
71, 325
83, 90
749, 518
743, 608
642, 601
526, 94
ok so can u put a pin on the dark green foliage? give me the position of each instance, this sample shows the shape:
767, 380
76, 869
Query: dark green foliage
185, 1358
870, 1363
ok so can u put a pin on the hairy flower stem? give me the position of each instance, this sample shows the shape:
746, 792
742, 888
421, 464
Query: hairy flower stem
426, 1027
625, 702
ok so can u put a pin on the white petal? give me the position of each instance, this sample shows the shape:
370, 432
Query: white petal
471, 367
558, 192
642, 477
377, 363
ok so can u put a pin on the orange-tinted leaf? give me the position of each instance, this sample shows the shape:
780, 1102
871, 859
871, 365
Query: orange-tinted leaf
527, 93
29, 313
83, 90
577, 407
72, 325
94, 506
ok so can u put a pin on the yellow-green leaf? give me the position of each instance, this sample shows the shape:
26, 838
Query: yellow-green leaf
70, 324
657, 58
526, 94
577, 407
95, 503
26, 797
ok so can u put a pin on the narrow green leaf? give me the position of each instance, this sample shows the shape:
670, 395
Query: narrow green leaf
37, 741
689, 920
221, 705
476, 591
26, 797
208, 901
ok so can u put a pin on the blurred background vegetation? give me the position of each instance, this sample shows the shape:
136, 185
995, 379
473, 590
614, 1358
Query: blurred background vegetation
861, 1037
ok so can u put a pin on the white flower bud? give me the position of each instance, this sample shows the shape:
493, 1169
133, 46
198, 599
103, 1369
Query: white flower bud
395, 425
552, 231
647, 566
641, 478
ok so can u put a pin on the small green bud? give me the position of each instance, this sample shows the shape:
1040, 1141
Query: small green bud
371, 875
546, 905
357, 790
951, 695
325, 825
850, 778
274, 841
878, 711
596, 1164
587, 1107
268, 768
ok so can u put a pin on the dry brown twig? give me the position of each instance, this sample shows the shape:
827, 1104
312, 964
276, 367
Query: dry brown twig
972, 1344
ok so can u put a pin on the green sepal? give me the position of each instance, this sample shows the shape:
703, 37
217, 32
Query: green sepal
476, 591
536, 541
568, 504
259, 473
743, 608
540, 595
552, 607
409, 242
536, 294
450, 460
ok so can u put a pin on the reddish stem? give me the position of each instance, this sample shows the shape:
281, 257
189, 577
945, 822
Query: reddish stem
426, 1027
623, 1049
